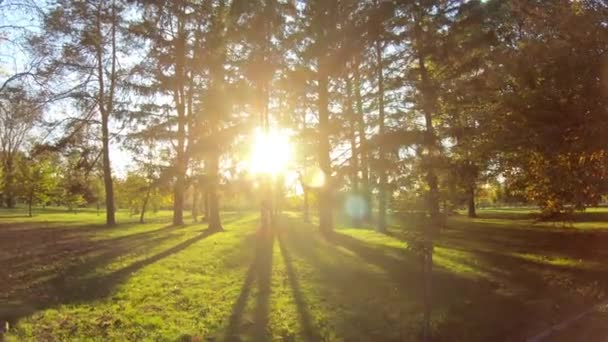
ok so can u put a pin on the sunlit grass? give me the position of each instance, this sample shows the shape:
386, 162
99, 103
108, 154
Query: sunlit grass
151, 282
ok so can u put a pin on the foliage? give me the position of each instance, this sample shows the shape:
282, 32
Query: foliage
37, 178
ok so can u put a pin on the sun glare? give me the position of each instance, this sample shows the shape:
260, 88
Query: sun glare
271, 152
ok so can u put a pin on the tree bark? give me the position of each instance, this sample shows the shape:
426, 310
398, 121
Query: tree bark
105, 108
179, 98
429, 105
9, 195
206, 206
145, 204
215, 223
195, 200
107, 173
178, 197
29, 204
325, 193
363, 145
471, 201
383, 179
354, 159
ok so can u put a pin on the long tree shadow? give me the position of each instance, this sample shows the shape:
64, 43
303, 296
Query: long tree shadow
461, 296
308, 330
357, 300
259, 273
72, 284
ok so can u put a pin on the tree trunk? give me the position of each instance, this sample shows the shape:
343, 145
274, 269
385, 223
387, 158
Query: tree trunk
206, 206
354, 159
471, 201
145, 204
266, 204
29, 204
178, 200
325, 193
214, 220
382, 183
9, 189
363, 145
107, 173
106, 106
429, 105
195, 204
306, 205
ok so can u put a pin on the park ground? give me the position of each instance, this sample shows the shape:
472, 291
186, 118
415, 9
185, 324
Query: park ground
64, 276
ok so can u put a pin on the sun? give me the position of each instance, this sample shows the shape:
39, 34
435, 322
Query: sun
270, 152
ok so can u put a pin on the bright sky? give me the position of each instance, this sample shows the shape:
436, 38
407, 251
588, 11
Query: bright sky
13, 59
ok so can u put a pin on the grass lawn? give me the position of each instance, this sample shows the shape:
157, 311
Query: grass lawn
65, 276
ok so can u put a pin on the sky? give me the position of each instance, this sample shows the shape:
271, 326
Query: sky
14, 59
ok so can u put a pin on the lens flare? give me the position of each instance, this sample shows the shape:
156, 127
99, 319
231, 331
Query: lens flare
314, 178
355, 207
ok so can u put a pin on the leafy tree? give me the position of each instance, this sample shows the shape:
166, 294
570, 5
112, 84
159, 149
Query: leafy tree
316, 20
37, 179
19, 113
82, 43
550, 131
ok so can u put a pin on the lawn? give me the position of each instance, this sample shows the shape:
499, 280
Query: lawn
499, 277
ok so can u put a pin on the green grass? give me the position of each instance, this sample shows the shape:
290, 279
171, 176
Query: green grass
498, 277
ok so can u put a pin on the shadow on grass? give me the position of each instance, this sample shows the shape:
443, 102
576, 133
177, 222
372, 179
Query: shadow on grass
478, 295
579, 244
350, 296
61, 268
308, 331
259, 273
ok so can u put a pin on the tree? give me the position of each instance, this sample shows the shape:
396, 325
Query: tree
186, 63
91, 37
148, 178
37, 179
19, 113
316, 22
549, 135
261, 25
431, 29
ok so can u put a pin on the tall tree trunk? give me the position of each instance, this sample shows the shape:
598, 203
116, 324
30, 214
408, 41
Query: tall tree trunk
215, 223
195, 200
9, 186
180, 99
325, 192
218, 112
178, 197
354, 159
363, 145
107, 173
382, 183
429, 106
471, 200
106, 107
206, 206
352, 120
428, 94
145, 204
30, 201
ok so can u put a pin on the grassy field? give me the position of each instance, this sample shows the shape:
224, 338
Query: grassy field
499, 277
